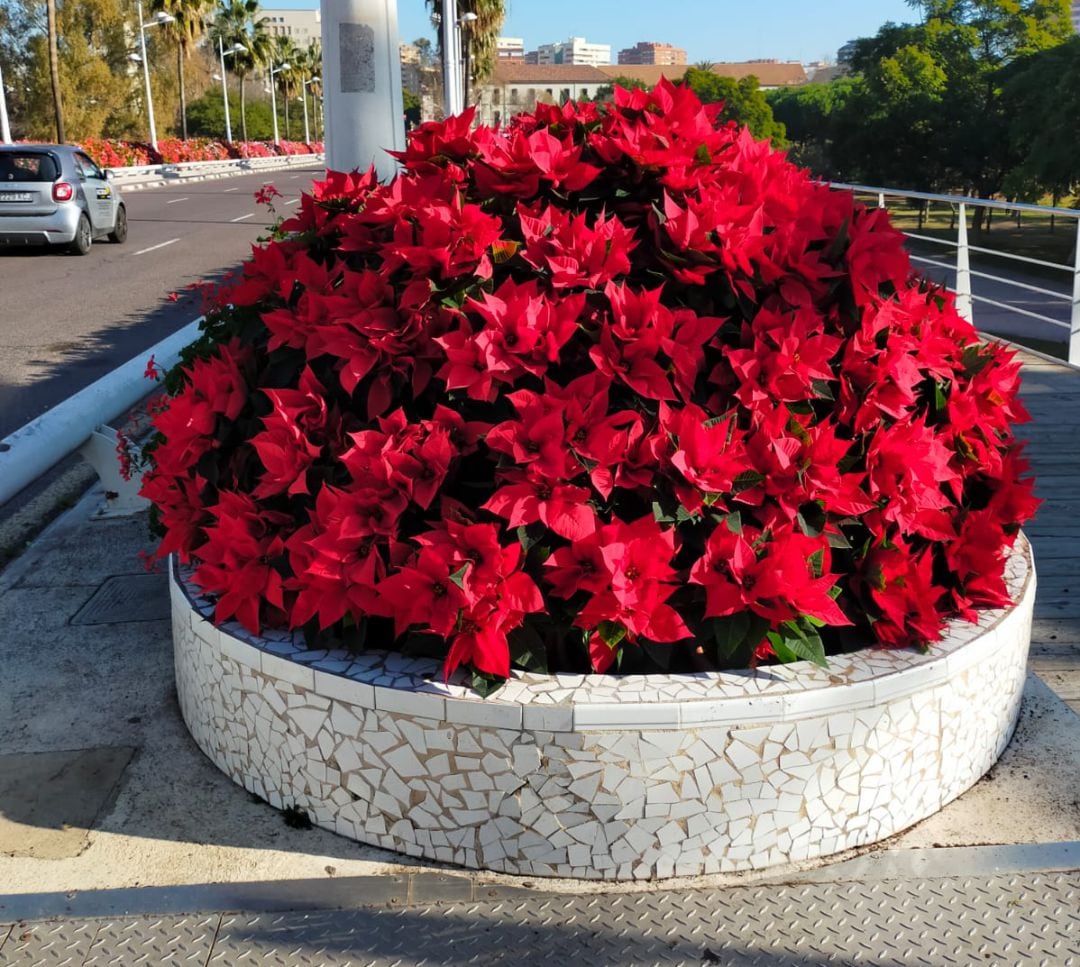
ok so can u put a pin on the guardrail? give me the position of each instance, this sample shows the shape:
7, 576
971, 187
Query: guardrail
179, 169
965, 298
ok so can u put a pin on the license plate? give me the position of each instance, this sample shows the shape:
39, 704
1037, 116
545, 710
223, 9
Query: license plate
16, 196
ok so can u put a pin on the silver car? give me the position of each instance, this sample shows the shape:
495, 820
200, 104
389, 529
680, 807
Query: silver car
54, 194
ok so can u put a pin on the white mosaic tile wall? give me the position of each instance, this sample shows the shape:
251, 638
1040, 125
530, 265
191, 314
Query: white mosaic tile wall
606, 778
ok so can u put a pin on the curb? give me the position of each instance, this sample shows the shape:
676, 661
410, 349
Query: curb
32, 449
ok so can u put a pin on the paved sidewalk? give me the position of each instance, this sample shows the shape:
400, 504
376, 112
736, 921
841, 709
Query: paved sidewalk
121, 844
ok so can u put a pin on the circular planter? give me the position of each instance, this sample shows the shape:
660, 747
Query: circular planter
605, 777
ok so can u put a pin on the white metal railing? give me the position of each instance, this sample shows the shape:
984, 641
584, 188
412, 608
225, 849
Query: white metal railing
965, 297
222, 164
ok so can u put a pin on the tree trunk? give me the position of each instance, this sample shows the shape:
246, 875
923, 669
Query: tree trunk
183, 97
54, 69
243, 113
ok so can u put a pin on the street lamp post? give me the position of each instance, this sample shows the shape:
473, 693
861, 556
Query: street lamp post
273, 96
303, 91
5, 130
159, 18
234, 49
463, 54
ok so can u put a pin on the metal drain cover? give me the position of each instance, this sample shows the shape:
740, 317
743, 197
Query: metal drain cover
127, 597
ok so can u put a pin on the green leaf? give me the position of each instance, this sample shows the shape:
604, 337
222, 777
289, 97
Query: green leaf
486, 685
730, 631
702, 155
458, 577
941, 401
527, 649
733, 522
822, 389
746, 480
797, 646
837, 539
682, 515
817, 562
975, 360
662, 517
811, 518
611, 633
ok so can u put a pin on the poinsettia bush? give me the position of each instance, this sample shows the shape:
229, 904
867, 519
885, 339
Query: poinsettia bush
614, 388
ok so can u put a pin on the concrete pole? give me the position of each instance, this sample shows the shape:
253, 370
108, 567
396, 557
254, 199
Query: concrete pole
224, 90
273, 104
5, 130
303, 94
451, 101
146, 77
364, 110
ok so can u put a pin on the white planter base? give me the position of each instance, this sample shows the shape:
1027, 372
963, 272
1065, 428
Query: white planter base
607, 778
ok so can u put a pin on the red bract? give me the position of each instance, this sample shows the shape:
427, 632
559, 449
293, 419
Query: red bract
608, 387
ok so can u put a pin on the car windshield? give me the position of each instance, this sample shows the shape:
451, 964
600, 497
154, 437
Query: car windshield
27, 166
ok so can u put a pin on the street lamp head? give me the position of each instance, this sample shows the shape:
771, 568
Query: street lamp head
284, 67
216, 77
468, 18
236, 49
134, 58
161, 17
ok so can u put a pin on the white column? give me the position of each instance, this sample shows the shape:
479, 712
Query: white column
1074, 318
5, 130
364, 111
963, 268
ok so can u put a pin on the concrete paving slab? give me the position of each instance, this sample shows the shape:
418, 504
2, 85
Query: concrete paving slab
49, 801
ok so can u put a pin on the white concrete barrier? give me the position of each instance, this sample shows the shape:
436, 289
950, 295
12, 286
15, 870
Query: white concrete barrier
34, 448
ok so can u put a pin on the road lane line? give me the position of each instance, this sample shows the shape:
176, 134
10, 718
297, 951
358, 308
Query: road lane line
242, 217
232, 189
152, 248
175, 200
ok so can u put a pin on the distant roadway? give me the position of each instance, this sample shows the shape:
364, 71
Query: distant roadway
66, 320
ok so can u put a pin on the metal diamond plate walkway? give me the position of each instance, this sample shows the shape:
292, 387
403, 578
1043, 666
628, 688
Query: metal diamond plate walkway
1020, 919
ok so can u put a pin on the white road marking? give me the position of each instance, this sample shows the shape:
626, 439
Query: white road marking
232, 189
175, 200
152, 248
242, 217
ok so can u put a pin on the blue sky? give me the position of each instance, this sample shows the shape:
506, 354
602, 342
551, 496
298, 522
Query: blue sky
718, 30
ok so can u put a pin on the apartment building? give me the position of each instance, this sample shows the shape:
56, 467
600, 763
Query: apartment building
650, 52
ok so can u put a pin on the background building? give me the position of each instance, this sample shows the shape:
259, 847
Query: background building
510, 48
650, 52
516, 86
1076, 15
575, 51
303, 26
769, 73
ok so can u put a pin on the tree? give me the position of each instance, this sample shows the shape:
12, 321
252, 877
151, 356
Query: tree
808, 113
241, 22
54, 69
478, 37
926, 110
188, 25
1038, 92
283, 51
743, 101
605, 92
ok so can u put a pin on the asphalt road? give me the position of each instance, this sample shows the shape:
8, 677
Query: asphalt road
67, 320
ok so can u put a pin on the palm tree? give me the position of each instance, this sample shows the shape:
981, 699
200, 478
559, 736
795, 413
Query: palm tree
310, 66
479, 36
242, 22
285, 51
187, 26
54, 69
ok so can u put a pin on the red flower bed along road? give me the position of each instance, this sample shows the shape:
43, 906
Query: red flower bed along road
110, 153
614, 388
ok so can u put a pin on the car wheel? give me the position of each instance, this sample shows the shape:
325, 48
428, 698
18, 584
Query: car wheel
84, 237
119, 232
